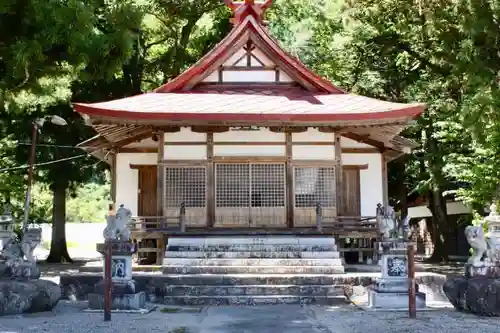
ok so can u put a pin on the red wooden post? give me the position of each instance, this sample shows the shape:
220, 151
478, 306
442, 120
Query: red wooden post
107, 280
412, 308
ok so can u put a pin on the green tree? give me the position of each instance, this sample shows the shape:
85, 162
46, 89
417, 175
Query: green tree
111, 27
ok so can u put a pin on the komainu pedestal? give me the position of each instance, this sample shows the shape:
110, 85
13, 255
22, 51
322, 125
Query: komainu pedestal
124, 294
21, 290
391, 290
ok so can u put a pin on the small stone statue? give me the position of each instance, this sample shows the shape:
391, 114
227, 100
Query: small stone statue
117, 225
477, 241
386, 220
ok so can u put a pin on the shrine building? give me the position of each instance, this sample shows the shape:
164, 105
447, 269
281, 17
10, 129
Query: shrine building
249, 141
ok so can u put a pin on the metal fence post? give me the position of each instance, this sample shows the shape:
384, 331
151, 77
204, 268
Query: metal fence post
319, 217
182, 218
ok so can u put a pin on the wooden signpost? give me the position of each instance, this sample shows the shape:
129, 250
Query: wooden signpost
412, 308
107, 281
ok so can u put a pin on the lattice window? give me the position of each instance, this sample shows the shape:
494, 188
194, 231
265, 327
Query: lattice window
268, 185
250, 185
185, 184
232, 185
314, 185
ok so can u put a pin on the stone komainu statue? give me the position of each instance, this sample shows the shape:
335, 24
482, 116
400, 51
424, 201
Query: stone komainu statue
117, 225
477, 241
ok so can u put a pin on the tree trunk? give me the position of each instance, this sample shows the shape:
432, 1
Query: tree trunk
435, 199
439, 230
58, 248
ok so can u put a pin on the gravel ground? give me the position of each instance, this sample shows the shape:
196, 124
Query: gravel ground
70, 318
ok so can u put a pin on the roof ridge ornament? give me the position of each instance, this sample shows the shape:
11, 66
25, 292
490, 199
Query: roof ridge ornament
244, 8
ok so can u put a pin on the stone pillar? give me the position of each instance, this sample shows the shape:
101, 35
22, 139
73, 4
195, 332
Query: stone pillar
391, 290
124, 293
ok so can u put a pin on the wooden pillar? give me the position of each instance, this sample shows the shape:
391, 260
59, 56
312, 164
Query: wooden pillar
290, 193
339, 174
113, 177
210, 181
160, 172
385, 181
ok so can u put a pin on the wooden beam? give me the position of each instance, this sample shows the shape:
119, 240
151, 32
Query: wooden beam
140, 166
290, 193
210, 181
113, 178
248, 69
160, 172
365, 139
355, 166
137, 150
209, 129
385, 182
339, 174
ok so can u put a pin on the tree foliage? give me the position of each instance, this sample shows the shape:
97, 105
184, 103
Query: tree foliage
440, 52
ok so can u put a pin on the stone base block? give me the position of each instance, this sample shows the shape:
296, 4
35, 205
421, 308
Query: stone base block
135, 301
28, 296
480, 295
394, 300
392, 286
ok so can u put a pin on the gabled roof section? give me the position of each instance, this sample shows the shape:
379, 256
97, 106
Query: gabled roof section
249, 32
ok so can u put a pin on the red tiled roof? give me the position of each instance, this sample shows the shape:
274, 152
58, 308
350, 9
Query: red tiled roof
293, 105
236, 38
312, 99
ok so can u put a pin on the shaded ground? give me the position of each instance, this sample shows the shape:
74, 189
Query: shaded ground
70, 318
451, 269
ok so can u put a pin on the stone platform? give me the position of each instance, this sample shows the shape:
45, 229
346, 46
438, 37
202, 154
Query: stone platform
243, 270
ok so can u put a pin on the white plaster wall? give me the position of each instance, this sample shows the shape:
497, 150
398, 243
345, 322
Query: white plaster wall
250, 150
349, 143
127, 179
312, 134
185, 135
197, 152
146, 143
233, 60
262, 57
249, 76
370, 180
313, 152
212, 77
262, 135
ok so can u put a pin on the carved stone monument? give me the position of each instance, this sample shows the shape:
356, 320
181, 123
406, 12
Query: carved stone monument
391, 290
478, 291
124, 294
22, 291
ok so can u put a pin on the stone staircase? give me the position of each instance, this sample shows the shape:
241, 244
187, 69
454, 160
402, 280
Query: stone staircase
247, 270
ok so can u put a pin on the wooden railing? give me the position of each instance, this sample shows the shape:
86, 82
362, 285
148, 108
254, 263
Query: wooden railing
346, 224
159, 223
362, 231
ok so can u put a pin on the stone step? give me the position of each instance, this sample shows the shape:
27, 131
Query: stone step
251, 247
255, 254
255, 290
253, 300
253, 270
252, 240
251, 279
250, 262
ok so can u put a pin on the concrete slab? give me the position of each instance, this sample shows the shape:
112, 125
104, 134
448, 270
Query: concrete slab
261, 319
